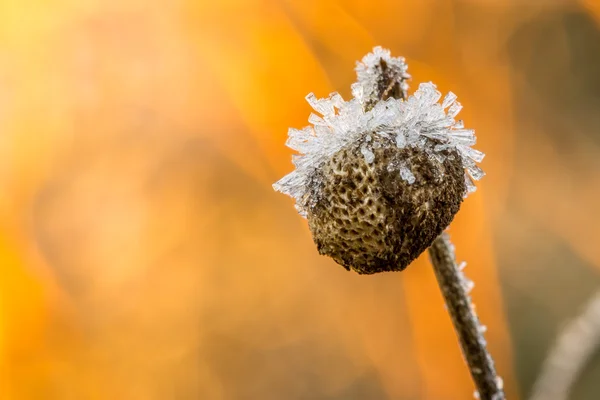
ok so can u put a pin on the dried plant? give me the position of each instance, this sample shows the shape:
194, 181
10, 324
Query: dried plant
573, 348
380, 177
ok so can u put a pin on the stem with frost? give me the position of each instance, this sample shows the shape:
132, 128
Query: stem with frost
455, 287
453, 284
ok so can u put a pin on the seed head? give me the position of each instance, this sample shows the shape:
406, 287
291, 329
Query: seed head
379, 178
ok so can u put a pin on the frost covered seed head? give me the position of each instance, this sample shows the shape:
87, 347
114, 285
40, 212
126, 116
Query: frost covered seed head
379, 177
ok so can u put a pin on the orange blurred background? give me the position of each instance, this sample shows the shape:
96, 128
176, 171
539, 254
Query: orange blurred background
144, 254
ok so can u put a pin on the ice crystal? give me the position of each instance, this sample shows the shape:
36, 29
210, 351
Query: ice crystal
500, 383
420, 121
468, 284
368, 154
406, 174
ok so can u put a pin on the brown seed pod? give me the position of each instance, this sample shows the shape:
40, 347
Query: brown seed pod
379, 177
369, 218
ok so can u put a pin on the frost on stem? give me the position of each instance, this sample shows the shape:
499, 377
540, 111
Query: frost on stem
381, 175
380, 76
455, 287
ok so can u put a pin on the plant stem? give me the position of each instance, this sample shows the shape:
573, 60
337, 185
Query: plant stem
576, 344
455, 288
451, 280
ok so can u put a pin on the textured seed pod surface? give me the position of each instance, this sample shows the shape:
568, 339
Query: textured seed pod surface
370, 218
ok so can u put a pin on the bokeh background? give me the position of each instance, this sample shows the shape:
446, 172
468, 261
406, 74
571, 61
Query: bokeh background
144, 254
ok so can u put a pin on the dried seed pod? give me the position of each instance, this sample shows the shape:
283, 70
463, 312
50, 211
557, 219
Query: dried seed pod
379, 177
380, 216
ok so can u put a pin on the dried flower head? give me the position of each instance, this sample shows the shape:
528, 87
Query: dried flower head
379, 177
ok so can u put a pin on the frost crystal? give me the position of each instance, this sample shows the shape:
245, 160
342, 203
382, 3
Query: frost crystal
500, 382
468, 284
368, 154
419, 121
406, 174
